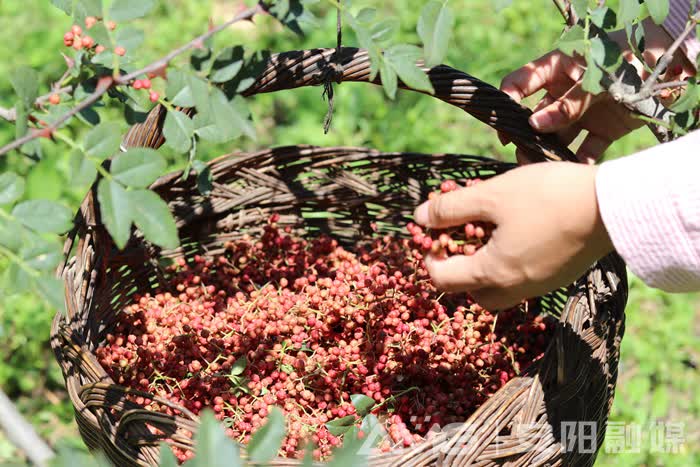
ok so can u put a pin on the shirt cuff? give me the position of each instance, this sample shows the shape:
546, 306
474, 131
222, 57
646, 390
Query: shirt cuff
649, 205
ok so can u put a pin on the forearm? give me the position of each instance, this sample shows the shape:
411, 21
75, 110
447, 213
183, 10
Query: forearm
650, 205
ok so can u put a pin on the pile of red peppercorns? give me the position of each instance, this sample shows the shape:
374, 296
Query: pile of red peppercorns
306, 324
464, 240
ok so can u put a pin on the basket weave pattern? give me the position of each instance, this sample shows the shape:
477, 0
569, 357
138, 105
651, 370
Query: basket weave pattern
520, 425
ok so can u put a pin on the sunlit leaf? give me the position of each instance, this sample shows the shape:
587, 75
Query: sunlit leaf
125, 10
658, 9
435, 28
11, 187
266, 441
103, 140
178, 130
138, 167
115, 209
44, 216
153, 217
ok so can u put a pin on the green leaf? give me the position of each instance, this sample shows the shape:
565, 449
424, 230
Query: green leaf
25, 81
214, 448
239, 366
293, 15
84, 8
125, 10
366, 15
402, 58
363, 404
44, 216
604, 17
373, 428
689, 100
389, 79
628, 11
385, 30
11, 187
350, 453
52, 290
64, 5
434, 28
606, 53
178, 130
82, 169
200, 58
129, 37
167, 458
224, 120
103, 141
340, 426
266, 441
591, 78
227, 64
204, 177
580, 7
11, 234
640, 37
138, 167
153, 217
42, 255
178, 90
116, 210
658, 9
200, 95
572, 41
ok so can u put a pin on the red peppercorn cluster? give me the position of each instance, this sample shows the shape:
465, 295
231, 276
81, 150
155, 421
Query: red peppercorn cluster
464, 240
80, 40
304, 325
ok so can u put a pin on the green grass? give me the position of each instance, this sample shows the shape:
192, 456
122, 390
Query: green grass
658, 379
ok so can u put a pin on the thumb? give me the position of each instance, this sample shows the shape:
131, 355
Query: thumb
457, 207
461, 273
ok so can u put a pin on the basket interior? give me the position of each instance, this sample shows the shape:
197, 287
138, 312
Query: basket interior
349, 193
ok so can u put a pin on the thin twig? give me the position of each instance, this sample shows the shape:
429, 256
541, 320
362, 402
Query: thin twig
669, 85
196, 42
103, 85
11, 114
562, 10
667, 57
106, 82
573, 16
22, 434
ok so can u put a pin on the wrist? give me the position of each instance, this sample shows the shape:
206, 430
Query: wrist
598, 240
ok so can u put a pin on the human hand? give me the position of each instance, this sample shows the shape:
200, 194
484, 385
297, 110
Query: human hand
548, 232
566, 109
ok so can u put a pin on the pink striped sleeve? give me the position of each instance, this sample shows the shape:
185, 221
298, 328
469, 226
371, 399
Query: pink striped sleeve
650, 205
679, 11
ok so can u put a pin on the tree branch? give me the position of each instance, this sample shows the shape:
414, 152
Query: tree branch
103, 85
106, 82
196, 42
22, 434
667, 57
11, 114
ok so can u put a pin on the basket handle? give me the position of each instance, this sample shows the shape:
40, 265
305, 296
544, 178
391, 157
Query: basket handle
294, 69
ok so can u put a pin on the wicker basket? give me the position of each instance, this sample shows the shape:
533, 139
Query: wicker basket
528, 422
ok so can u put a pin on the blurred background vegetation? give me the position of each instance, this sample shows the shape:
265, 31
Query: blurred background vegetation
659, 374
